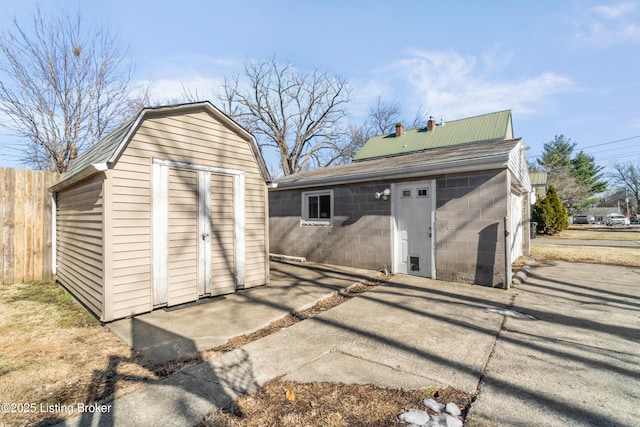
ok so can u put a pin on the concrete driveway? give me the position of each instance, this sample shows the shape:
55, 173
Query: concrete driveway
575, 363
578, 363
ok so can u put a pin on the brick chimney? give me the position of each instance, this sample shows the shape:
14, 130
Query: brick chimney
431, 124
399, 129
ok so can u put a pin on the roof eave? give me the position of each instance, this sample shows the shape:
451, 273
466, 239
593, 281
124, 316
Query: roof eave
77, 177
458, 166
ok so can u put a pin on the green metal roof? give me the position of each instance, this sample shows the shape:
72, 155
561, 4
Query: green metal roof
487, 127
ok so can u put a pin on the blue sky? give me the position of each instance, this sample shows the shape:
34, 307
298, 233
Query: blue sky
570, 67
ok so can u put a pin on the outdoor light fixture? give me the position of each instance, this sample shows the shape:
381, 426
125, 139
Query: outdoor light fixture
384, 194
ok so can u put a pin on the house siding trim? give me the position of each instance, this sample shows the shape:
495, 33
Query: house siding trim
107, 249
54, 217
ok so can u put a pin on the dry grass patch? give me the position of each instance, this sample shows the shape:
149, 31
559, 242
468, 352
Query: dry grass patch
290, 404
52, 351
629, 257
597, 234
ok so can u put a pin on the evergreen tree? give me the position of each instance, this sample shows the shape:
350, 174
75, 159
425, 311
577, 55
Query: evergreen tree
588, 174
557, 154
578, 179
550, 214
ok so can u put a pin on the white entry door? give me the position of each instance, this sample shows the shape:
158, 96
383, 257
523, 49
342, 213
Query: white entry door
413, 212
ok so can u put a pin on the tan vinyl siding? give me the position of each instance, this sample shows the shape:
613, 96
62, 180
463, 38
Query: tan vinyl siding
79, 245
196, 138
131, 238
183, 236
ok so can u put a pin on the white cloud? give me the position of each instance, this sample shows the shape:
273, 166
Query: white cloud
450, 85
604, 26
616, 10
169, 78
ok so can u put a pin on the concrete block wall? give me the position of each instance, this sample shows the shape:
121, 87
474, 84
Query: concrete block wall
470, 209
360, 235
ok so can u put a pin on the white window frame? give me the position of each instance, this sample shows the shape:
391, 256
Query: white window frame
305, 220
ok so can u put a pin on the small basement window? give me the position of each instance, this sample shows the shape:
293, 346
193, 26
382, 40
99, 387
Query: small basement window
317, 207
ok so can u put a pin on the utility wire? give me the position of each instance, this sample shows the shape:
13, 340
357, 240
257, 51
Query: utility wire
610, 142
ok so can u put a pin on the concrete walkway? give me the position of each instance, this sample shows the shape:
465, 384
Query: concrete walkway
576, 364
182, 331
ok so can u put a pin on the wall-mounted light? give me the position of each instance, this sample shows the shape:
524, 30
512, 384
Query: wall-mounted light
384, 194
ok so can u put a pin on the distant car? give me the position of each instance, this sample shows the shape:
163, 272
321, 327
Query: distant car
580, 219
616, 219
634, 220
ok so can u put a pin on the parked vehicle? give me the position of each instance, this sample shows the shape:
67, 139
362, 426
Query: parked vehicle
584, 219
580, 219
616, 219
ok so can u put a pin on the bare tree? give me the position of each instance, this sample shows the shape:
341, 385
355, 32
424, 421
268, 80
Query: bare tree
296, 113
355, 138
62, 86
383, 116
571, 193
420, 119
627, 176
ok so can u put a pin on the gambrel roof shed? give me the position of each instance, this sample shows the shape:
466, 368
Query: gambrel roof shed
168, 208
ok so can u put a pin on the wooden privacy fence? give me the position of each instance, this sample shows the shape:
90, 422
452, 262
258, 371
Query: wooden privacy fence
25, 215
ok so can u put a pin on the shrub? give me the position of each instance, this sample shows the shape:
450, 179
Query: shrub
550, 214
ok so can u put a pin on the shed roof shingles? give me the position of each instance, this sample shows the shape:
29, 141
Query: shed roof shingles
103, 150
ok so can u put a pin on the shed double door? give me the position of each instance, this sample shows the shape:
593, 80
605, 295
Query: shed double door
198, 222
